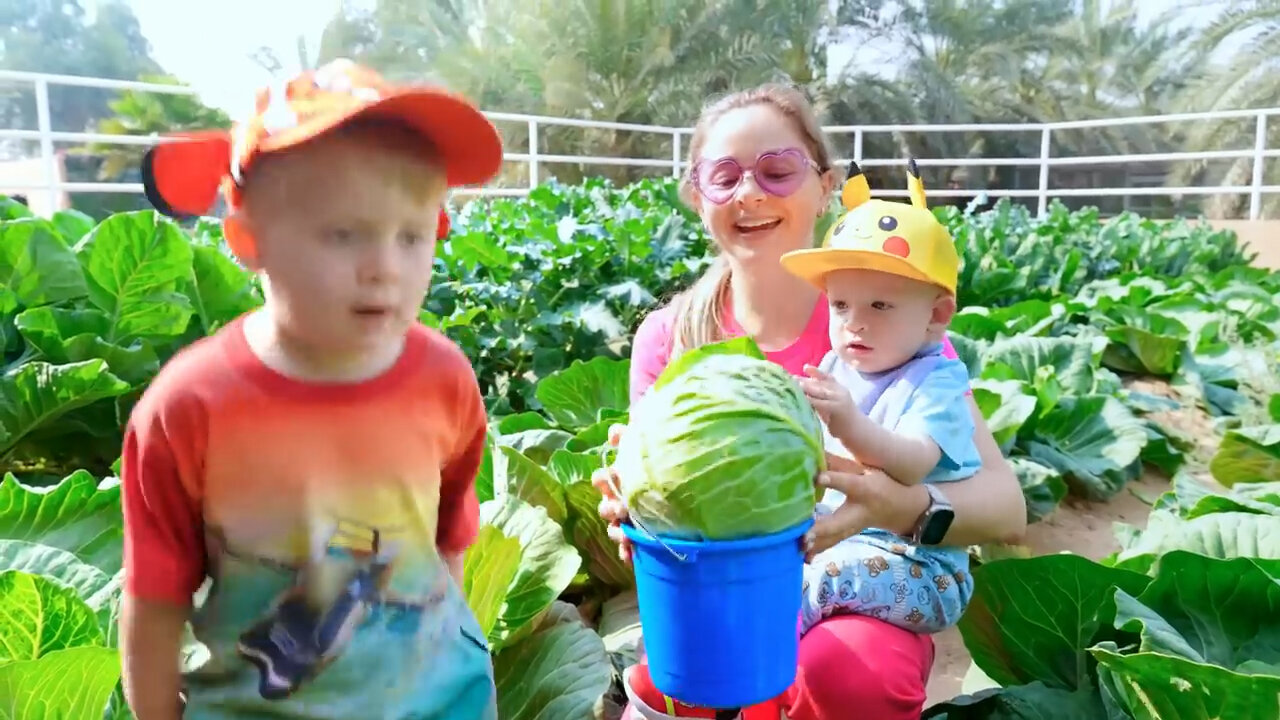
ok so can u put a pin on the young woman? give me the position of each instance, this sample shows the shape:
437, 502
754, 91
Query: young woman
761, 176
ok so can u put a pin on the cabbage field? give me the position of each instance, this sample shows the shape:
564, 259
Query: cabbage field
1089, 342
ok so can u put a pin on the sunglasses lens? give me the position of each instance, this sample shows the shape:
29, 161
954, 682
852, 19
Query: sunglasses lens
717, 181
780, 174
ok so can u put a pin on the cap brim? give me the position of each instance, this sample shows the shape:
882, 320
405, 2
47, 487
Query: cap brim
182, 174
469, 145
812, 265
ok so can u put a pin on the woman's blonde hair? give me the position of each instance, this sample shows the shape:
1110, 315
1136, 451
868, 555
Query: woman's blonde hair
698, 310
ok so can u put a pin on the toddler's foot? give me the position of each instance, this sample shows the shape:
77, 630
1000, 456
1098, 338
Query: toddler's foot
646, 702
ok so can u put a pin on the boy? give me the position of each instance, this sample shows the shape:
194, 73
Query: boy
315, 458
888, 397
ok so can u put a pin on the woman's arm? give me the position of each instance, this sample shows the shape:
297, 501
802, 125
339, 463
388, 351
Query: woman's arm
650, 350
989, 506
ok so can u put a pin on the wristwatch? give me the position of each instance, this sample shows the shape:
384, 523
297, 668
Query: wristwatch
933, 524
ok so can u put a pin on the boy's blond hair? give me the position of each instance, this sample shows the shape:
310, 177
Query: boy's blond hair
410, 163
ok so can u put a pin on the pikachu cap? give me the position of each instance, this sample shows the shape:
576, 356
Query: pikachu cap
892, 237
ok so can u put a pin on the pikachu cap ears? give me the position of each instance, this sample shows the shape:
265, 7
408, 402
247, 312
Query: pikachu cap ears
893, 237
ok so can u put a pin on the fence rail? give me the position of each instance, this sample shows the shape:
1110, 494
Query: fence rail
533, 158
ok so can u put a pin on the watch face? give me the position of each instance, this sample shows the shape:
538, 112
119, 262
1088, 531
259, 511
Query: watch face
935, 528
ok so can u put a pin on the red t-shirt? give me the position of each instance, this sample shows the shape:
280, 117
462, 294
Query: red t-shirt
220, 440
651, 348
321, 512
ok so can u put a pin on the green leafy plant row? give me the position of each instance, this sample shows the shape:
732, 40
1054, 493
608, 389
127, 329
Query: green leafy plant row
558, 606
543, 294
1183, 622
88, 313
1054, 377
527, 286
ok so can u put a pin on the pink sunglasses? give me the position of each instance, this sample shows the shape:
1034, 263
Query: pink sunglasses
779, 173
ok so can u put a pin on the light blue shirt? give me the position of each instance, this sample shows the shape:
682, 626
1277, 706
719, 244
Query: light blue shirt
924, 397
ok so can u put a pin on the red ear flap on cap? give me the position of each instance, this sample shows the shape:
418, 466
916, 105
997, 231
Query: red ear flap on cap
181, 177
442, 229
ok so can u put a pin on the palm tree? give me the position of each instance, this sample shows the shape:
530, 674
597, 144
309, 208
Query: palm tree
1248, 78
1107, 63
631, 61
956, 61
1030, 61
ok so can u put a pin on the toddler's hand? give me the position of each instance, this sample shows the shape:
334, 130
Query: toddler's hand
833, 402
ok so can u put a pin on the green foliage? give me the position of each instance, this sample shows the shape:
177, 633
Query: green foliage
1011, 256
636, 61
88, 314
1053, 310
544, 293
1183, 622
148, 113
71, 37
526, 286
55, 36
979, 61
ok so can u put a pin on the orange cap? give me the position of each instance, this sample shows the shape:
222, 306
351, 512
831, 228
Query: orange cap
182, 175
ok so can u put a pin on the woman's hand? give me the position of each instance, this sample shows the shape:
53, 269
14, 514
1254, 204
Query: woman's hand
611, 507
871, 499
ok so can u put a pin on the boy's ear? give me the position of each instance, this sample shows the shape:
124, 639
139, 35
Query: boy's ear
235, 228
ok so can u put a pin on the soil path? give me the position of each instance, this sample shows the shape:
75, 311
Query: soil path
1080, 527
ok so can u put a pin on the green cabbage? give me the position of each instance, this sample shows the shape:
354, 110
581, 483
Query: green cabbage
724, 446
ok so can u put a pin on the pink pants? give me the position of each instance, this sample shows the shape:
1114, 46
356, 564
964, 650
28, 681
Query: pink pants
847, 664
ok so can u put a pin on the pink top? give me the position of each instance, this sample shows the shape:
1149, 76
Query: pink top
651, 348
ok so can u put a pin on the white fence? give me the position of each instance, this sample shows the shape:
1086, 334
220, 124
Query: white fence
55, 186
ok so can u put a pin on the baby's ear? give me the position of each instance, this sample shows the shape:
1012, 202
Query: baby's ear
944, 309
235, 228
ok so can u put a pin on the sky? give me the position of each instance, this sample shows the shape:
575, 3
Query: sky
208, 43
209, 48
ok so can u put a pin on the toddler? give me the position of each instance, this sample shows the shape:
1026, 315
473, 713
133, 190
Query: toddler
314, 458
888, 397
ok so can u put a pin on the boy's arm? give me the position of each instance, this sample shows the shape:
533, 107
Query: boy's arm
150, 648
163, 563
459, 507
936, 427
454, 561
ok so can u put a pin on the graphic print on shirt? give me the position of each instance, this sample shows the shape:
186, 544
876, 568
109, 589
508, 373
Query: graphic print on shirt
312, 534
346, 583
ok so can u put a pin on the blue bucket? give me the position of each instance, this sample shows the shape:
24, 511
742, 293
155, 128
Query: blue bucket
720, 618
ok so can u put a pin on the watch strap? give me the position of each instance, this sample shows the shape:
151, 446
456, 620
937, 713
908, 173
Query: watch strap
937, 501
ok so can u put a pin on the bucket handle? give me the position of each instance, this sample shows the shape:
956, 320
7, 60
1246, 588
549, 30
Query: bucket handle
604, 461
